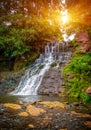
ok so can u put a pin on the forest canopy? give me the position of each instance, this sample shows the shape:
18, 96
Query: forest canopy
25, 24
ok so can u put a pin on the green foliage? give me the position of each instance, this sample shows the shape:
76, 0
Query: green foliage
77, 75
25, 34
13, 40
80, 64
85, 97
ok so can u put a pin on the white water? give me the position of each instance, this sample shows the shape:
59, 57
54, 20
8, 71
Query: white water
32, 79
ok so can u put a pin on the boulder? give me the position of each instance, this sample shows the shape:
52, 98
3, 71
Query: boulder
88, 123
88, 91
84, 41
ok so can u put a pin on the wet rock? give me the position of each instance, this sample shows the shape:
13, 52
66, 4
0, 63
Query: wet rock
63, 129
23, 114
88, 91
81, 115
10, 89
45, 115
4, 124
34, 111
21, 102
54, 104
31, 126
88, 123
12, 106
51, 83
9, 81
35, 102
76, 104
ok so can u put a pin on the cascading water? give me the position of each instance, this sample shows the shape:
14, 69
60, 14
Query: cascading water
32, 79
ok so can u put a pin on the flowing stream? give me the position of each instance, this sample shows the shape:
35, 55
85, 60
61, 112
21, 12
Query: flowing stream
32, 79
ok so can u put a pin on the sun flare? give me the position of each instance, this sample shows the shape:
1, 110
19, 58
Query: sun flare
65, 19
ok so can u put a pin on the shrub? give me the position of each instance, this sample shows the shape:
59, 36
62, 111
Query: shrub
79, 71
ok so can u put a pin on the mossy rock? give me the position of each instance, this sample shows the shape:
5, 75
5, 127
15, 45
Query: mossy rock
53, 64
25, 60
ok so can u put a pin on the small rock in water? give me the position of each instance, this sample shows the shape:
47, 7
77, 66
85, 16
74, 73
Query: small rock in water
76, 104
21, 102
88, 123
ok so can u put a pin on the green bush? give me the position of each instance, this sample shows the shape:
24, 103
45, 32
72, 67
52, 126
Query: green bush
79, 71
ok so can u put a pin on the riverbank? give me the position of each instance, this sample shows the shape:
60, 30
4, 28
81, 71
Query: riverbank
52, 115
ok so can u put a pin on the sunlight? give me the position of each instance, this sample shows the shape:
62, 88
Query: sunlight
63, 1
65, 19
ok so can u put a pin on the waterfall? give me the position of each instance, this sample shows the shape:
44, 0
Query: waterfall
32, 79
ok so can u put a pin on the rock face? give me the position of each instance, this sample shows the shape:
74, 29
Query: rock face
84, 41
52, 82
9, 81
